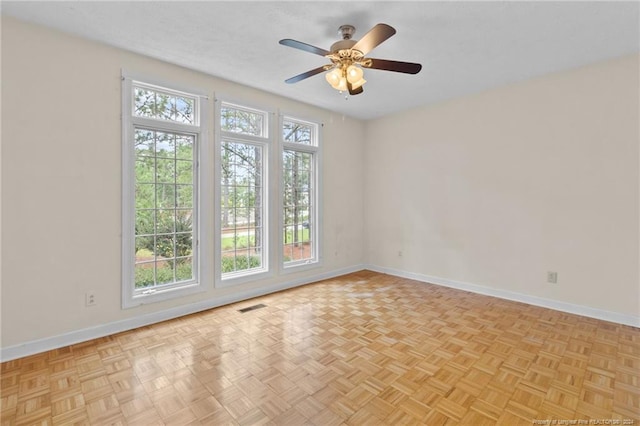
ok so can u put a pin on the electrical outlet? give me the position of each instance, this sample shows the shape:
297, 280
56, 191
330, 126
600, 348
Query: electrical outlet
399, 253
90, 299
552, 277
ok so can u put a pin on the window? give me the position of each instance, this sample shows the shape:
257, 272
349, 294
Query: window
243, 152
261, 210
163, 130
300, 228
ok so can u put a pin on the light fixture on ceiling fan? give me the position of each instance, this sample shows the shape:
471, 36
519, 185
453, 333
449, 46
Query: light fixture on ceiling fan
348, 59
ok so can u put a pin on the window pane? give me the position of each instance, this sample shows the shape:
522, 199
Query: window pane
152, 103
184, 244
164, 203
243, 121
164, 271
165, 196
184, 147
184, 196
184, 268
144, 142
184, 223
165, 220
242, 207
165, 170
144, 249
184, 171
145, 220
145, 274
145, 167
184, 110
144, 102
165, 145
240, 215
298, 228
297, 132
165, 246
287, 253
145, 196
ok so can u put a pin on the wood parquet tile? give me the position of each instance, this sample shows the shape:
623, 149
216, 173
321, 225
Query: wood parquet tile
362, 349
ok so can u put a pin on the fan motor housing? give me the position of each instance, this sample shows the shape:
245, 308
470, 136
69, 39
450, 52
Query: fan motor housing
342, 45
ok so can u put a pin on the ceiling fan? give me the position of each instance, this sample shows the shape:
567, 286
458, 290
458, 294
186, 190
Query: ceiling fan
347, 58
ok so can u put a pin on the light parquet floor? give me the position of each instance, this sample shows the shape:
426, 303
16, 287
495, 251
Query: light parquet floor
362, 349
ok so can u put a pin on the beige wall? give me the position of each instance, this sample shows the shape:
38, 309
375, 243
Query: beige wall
497, 189
493, 189
61, 164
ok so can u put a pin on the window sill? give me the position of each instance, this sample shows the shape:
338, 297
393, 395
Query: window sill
161, 295
233, 280
300, 266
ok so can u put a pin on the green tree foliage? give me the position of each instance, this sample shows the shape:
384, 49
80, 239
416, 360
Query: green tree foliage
164, 172
297, 175
178, 245
164, 106
164, 193
239, 263
241, 189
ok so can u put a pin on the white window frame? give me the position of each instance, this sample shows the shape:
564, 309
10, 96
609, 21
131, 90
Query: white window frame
267, 144
130, 296
316, 150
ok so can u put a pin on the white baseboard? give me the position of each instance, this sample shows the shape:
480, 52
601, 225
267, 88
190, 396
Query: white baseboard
48, 343
585, 311
42, 345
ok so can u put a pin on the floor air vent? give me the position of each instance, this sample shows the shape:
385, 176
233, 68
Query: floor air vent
252, 308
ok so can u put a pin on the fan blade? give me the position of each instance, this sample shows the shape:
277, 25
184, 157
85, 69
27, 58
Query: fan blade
353, 91
304, 46
304, 75
386, 65
373, 38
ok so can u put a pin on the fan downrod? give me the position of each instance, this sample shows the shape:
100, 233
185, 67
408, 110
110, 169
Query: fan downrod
346, 31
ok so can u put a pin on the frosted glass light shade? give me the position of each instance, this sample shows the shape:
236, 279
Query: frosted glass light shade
338, 77
354, 74
342, 86
333, 77
358, 83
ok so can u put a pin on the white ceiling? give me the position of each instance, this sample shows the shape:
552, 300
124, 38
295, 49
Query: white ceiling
464, 47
